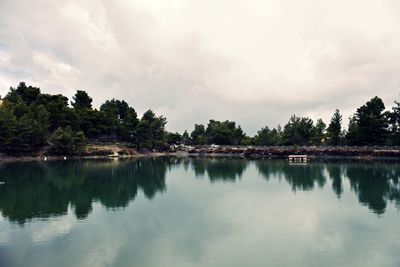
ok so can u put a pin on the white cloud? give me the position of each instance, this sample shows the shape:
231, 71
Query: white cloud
48, 230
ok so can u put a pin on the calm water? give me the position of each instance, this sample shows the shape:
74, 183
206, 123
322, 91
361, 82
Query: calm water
199, 212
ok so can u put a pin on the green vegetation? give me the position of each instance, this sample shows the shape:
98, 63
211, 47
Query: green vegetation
31, 121
66, 142
267, 137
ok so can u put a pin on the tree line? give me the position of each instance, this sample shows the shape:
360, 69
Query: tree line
370, 125
31, 121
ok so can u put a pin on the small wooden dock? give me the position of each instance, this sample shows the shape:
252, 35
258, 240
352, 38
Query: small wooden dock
298, 158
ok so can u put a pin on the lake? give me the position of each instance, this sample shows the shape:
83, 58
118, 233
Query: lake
199, 212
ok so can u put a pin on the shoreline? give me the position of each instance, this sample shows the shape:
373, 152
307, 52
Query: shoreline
124, 151
340, 152
99, 157
394, 155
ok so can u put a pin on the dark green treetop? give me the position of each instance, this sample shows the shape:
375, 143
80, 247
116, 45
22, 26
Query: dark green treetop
81, 100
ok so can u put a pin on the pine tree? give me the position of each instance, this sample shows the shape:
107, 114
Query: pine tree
372, 122
335, 128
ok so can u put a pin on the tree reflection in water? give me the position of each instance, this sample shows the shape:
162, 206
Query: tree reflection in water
374, 183
39, 190
299, 176
220, 169
43, 190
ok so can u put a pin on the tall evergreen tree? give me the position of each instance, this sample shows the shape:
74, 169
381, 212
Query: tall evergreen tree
372, 122
335, 129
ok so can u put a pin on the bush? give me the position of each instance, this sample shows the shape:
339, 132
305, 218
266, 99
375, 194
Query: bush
66, 142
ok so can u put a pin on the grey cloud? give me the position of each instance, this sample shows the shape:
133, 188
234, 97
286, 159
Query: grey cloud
254, 62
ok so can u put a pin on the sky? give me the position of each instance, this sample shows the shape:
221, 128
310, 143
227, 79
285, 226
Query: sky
252, 61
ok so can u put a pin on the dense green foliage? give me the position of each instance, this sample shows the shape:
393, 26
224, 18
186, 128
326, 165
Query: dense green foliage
217, 132
150, 130
67, 142
267, 137
298, 131
31, 121
199, 134
371, 123
224, 133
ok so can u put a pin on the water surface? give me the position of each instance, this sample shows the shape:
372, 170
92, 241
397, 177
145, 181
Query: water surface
199, 212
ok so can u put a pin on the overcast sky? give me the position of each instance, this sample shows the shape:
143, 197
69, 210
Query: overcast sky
255, 62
